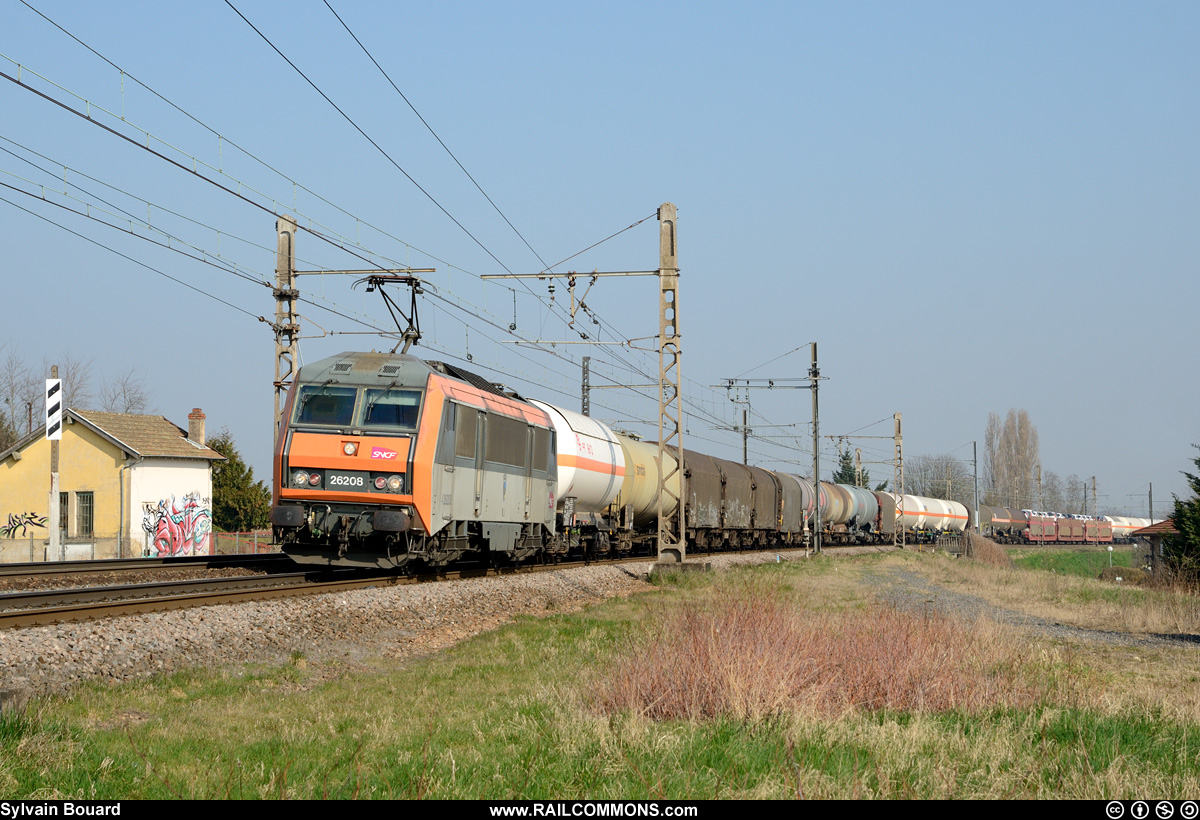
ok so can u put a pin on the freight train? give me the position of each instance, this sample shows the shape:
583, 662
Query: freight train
1011, 526
390, 461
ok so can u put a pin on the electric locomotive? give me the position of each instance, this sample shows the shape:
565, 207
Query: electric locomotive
390, 461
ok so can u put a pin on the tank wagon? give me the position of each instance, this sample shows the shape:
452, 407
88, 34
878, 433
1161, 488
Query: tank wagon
387, 460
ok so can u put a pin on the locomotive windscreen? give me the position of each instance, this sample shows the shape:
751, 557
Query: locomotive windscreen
391, 408
325, 404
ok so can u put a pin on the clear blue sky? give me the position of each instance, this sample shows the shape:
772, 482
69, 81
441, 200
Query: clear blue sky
970, 206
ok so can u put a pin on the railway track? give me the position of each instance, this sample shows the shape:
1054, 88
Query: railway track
41, 607
131, 565
36, 608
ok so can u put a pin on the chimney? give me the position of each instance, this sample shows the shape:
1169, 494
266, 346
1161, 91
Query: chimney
196, 426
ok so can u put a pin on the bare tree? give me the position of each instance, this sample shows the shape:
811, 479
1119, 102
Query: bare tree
940, 476
1010, 459
992, 469
1075, 496
15, 380
126, 393
1052, 492
76, 374
22, 390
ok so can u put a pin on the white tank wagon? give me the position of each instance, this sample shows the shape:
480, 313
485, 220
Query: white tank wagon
591, 462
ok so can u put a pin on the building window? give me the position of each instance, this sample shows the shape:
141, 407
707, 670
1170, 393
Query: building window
63, 499
83, 514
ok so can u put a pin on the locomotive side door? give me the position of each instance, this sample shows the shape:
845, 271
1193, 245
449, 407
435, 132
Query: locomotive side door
457, 488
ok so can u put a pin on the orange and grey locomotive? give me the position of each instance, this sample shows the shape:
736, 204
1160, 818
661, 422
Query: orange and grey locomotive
387, 460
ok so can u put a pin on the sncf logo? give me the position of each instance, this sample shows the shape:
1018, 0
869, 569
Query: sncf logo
382, 452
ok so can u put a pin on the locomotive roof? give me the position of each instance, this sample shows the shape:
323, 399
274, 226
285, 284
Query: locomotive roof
367, 369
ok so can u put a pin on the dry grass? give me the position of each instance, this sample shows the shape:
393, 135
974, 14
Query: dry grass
1084, 602
749, 651
987, 551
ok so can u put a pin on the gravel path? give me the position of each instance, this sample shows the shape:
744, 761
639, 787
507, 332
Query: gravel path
913, 592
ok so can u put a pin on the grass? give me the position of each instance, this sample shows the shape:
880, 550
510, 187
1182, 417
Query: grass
815, 690
1077, 597
1086, 562
752, 649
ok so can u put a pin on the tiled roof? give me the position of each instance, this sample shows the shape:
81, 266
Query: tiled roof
146, 436
1165, 527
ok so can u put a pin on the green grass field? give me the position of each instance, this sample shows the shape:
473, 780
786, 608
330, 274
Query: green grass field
833, 697
1087, 562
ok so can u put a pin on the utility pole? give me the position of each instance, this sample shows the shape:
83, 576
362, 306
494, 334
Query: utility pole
898, 481
745, 436
858, 467
975, 460
1039, 485
672, 529
1151, 502
286, 325
1095, 507
586, 389
814, 379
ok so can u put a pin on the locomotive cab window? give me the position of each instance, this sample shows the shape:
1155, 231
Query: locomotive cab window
325, 404
392, 408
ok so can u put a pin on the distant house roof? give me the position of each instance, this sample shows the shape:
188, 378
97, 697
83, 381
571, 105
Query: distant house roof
138, 435
1164, 527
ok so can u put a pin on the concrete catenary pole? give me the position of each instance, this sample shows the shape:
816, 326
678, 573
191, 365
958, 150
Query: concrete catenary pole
975, 460
814, 378
672, 528
898, 479
586, 388
286, 327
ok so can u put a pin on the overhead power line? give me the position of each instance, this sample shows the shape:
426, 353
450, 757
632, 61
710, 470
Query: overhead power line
340, 242
367, 137
131, 259
435, 136
223, 139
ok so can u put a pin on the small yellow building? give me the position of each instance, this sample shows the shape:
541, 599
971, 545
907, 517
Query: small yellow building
129, 486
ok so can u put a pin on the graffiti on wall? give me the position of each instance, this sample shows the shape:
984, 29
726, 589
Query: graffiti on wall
178, 527
19, 524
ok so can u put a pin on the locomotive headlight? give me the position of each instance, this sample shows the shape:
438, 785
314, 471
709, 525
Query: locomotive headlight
300, 478
394, 483
350, 448
314, 479
380, 482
